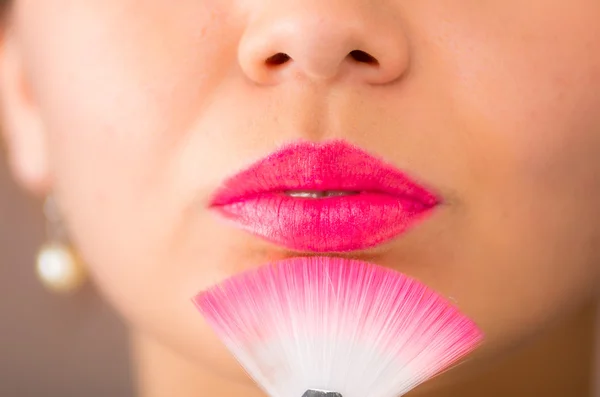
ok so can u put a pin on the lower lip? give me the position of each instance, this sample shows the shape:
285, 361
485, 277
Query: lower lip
331, 224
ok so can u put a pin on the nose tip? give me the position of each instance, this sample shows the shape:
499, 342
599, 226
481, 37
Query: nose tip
324, 44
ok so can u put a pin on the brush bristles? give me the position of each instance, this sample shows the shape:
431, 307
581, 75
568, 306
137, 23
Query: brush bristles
335, 324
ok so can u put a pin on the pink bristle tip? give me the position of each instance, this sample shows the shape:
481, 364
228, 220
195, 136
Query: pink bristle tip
334, 324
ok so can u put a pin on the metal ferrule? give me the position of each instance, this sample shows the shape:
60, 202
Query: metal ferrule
321, 393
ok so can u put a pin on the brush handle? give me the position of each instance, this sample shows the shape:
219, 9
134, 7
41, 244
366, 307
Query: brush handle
321, 393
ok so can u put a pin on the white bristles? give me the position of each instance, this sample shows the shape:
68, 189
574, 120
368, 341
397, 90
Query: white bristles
337, 325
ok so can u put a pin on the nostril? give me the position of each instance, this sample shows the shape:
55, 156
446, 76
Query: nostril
363, 57
278, 59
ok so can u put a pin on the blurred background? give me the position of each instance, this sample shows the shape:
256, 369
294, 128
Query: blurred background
50, 345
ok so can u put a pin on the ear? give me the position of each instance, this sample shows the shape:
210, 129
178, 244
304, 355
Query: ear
20, 119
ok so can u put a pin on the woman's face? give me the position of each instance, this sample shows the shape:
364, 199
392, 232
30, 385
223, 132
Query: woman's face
133, 113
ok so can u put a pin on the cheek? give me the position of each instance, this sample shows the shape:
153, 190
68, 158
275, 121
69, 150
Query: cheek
120, 89
121, 67
530, 97
530, 86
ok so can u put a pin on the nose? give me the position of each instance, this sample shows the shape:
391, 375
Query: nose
324, 40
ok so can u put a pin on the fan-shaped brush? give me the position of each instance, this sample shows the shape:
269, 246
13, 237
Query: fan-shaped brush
323, 326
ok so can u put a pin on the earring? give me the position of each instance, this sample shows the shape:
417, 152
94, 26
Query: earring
58, 267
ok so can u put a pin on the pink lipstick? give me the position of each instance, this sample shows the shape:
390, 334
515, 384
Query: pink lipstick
323, 197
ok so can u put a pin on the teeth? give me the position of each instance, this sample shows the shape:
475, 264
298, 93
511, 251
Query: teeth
316, 194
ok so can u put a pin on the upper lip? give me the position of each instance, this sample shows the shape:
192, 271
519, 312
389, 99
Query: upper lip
332, 165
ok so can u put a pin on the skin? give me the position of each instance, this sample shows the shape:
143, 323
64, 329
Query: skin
132, 113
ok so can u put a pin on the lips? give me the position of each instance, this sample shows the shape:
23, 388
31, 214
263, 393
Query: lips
323, 197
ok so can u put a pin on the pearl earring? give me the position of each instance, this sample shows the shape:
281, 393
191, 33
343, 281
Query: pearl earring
58, 267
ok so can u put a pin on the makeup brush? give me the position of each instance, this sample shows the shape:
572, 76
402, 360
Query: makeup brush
333, 327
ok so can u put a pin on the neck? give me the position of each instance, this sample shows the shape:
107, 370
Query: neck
162, 372
557, 364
